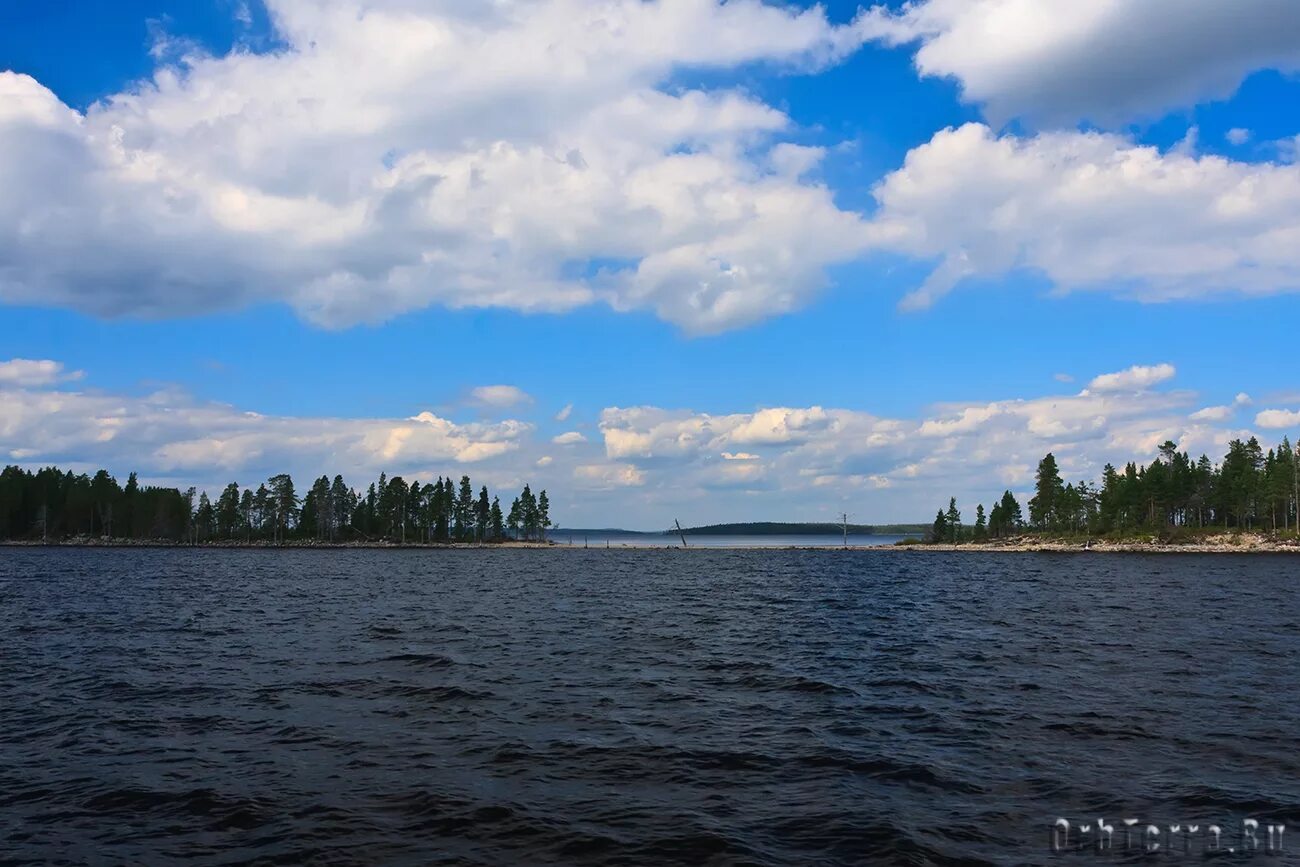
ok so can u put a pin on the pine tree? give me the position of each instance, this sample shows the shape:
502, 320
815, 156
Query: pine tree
483, 514
205, 519
441, 527
449, 506
515, 518
1049, 491
284, 503
228, 511
498, 521
342, 504
543, 514
953, 518
528, 513
130, 517
465, 510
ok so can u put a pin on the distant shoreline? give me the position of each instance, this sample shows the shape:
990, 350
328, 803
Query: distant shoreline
293, 544
1245, 543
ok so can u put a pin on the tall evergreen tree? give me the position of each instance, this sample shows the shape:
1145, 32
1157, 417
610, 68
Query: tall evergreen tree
543, 515
498, 521
465, 510
283, 503
1049, 491
953, 519
939, 529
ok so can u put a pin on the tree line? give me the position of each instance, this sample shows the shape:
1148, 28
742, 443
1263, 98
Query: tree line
1250, 489
52, 504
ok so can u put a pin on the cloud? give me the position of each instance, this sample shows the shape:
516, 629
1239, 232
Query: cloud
1274, 419
1062, 377
650, 432
1237, 136
167, 433
606, 476
25, 372
822, 457
536, 155
1212, 413
499, 396
569, 438
1090, 211
564, 413
1222, 413
1136, 378
772, 463
1060, 61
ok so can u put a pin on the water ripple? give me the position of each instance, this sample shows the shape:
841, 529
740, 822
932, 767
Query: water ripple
631, 707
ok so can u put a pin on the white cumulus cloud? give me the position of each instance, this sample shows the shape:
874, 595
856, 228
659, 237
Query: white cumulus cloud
1275, 419
649, 463
1135, 378
29, 372
390, 155
1212, 413
1106, 61
1090, 211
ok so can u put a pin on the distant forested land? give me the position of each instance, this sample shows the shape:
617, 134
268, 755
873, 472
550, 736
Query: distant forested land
777, 528
1249, 489
51, 505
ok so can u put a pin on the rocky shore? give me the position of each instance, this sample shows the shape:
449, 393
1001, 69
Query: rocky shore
1220, 543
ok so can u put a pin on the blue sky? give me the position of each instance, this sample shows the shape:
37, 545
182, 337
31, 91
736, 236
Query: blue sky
702, 227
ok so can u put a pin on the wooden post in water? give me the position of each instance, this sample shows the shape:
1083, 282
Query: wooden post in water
845, 517
680, 531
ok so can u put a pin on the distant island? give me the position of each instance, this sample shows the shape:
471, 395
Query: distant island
778, 528
757, 528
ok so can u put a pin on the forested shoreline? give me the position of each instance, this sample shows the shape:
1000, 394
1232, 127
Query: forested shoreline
52, 505
1249, 490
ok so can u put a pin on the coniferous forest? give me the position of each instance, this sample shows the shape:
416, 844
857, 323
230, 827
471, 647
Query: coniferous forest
53, 505
1250, 489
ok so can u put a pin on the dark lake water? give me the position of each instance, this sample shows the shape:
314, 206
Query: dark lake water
622, 539
634, 707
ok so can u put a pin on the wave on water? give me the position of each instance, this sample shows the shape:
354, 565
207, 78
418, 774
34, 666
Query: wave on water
731, 707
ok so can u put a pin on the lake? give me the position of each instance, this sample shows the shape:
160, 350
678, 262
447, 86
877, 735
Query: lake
634, 706
622, 539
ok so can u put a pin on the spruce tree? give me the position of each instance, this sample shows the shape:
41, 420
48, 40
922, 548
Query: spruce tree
939, 530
